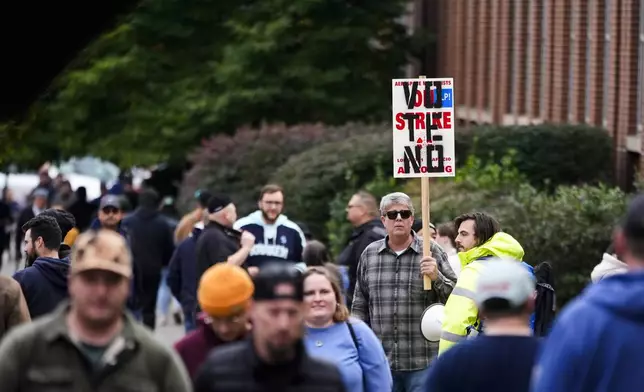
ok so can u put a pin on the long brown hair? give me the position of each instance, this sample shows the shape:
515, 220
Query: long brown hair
341, 313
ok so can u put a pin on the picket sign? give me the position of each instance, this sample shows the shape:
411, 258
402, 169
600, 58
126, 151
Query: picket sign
423, 137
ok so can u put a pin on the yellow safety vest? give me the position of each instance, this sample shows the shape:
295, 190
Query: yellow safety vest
461, 311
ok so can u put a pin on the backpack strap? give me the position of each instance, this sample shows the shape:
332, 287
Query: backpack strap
354, 337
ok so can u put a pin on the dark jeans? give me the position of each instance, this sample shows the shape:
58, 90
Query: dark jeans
148, 300
413, 381
189, 320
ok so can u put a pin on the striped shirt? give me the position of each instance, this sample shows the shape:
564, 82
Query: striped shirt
389, 296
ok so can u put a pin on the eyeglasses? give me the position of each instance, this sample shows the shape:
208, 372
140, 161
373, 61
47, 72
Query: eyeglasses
404, 214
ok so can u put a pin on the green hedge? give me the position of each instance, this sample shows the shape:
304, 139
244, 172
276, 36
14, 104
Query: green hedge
548, 154
337, 227
242, 163
313, 178
571, 227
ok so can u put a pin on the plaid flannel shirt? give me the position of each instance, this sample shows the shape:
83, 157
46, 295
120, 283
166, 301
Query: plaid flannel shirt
389, 296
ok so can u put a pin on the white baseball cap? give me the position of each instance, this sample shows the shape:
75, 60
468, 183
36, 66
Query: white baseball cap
506, 280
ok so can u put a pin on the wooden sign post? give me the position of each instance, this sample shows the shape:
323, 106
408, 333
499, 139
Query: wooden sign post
423, 136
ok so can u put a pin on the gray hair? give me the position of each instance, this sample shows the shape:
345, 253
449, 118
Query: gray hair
395, 198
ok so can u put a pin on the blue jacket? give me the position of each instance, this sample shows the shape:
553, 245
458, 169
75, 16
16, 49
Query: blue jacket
44, 284
182, 272
596, 343
282, 240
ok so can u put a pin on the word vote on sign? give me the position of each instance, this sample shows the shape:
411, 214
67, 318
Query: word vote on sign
423, 131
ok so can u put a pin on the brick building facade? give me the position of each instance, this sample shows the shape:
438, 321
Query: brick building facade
533, 61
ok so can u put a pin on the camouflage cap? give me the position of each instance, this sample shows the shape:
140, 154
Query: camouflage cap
101, 250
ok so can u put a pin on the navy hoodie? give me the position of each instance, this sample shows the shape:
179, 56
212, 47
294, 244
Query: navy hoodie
182, 271
44, 284
596, 343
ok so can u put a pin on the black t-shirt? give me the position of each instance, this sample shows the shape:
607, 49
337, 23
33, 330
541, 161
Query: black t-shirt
486, 364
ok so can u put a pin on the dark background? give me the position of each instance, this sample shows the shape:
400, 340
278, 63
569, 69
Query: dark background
39, 38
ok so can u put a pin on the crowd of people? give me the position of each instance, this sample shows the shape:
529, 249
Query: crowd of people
266, 307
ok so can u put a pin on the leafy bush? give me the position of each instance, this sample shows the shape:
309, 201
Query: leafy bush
338, 228
241, 164
549, 155
571, 227
313, 178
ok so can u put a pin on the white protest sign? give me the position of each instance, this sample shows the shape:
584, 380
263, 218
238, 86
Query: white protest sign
423, 127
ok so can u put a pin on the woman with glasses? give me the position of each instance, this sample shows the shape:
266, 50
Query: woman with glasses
348, 343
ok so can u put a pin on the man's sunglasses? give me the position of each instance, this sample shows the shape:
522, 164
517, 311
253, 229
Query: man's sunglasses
404, 214
110, 210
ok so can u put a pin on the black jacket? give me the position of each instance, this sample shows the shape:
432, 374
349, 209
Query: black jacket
361, 237
236, 368
215, 244
151, 240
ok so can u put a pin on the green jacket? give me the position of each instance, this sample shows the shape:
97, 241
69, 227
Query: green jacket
42, 357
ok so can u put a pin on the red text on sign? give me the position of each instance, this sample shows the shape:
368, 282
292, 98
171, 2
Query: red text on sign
438, 120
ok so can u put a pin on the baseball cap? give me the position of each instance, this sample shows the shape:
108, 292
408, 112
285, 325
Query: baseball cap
203, 197
505, 280
41, 192
110, 201
279, 280
633, 222
103, 250
218, 202
224, 290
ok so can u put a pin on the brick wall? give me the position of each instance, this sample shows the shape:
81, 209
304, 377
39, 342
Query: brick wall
594, 113
571, 61
578, 64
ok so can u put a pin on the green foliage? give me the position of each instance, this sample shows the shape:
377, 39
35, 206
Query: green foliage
477, 186
548, 155
241, 164
571, 227
312, 179
174, 72
338, 228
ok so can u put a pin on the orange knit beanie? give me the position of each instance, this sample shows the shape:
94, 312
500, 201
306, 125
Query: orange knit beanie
224, 289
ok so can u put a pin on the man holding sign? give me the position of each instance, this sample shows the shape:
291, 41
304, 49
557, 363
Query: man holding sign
390, 294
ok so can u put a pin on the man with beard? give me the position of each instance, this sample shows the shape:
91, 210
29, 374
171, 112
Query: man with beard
44, 282
479, 241
91, 343
38, 205
275, 359
276, 237
110, 214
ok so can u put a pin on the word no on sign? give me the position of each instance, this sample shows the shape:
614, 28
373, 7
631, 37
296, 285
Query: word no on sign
423, 127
